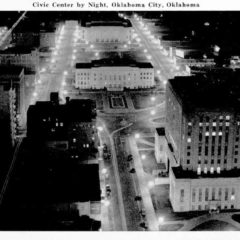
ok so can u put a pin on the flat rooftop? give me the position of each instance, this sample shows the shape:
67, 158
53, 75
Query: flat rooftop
213, 91
116, 62
18, 50
10, 71
183, 174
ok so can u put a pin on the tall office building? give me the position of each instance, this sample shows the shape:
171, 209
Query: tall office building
203, 130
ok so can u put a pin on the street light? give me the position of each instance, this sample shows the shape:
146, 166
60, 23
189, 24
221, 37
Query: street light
151, 184
143, 157
104, 171
65, 73
164, 82
161, 220
100, 128
34, 94
152, 112
137, 135
153, 99
107, 203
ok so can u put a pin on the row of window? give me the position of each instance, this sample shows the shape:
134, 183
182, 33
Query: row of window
206, 207
213, 194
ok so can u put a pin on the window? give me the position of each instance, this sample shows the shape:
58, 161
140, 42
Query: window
199, 170
218, 168
213, 193
188, 161
200, 195
189, 140
235, 160
193, 195
205, 170
206, 194
182, 195
212, 170
219, 194
226, 194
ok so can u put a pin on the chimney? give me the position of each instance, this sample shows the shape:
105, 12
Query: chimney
67, 100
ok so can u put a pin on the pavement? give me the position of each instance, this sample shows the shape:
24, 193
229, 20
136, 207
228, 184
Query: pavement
143, 180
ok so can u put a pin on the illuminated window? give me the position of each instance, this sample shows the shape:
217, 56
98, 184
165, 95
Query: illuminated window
189, 140
206, 133
199, 170
214, 124
227, 117
213, 133
205, 170
212, 170
227, 124
220, 133
218, 169
74, 140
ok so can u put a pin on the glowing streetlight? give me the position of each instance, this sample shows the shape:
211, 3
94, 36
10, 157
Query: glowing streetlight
100, 128
161, 220
65, 73
63, 84
104, 171
145, 50
96, 54
65, 92
137, 135
53, 61
158, 71
34, 94
143, 157
153, 99
149, 57
164, 82
152, 112
151, 184
107, 203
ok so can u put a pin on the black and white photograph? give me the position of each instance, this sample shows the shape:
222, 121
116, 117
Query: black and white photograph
118, 121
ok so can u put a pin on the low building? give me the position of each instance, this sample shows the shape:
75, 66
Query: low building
12, 78
203, 127
115, 31
69, 126
114, 74
20, 56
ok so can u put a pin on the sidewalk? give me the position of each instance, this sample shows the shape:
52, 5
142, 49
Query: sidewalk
143, 184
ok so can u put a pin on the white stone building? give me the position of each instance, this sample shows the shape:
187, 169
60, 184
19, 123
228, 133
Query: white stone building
114, 75
106, 31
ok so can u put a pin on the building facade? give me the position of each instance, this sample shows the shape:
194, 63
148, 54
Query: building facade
13, 78
203, 127
20, 56
8, 112
106, 31
113, 75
